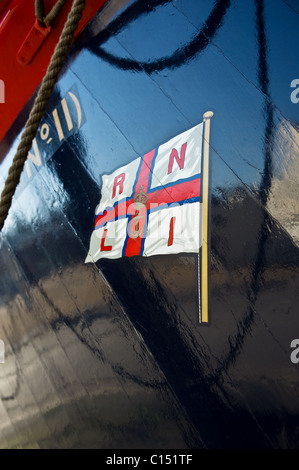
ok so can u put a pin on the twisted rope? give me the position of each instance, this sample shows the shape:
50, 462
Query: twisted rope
39, 107
39, 10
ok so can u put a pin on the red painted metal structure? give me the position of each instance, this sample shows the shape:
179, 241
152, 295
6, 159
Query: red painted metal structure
23, 63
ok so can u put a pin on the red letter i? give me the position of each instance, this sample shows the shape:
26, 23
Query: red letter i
171, 227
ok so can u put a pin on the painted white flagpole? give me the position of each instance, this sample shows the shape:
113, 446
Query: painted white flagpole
203, 267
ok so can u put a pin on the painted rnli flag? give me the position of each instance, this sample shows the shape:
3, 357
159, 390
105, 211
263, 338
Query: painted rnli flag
152, 206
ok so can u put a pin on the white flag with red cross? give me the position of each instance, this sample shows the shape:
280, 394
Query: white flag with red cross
154, 205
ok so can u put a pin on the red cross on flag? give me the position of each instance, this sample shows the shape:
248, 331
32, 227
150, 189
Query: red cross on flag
154, 205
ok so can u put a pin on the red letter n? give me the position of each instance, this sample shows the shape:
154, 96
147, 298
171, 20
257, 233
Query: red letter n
118, 181
180, 160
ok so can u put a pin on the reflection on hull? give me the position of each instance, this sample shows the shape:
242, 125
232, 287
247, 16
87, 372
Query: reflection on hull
111, 355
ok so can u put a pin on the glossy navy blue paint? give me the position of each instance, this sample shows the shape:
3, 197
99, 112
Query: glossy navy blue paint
112, 355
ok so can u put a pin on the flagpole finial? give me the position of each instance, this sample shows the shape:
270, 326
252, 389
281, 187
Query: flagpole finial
208, 115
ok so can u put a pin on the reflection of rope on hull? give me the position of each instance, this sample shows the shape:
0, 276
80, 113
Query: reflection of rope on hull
266, 182
263, 193
180, 56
